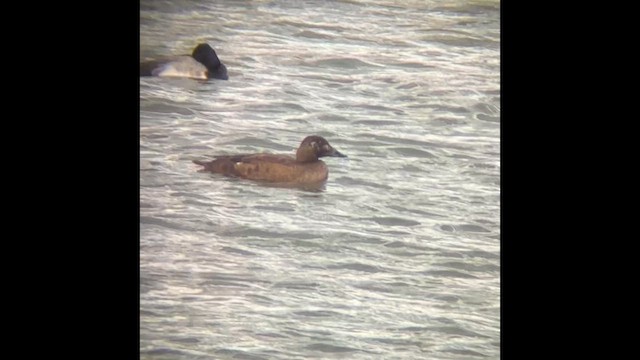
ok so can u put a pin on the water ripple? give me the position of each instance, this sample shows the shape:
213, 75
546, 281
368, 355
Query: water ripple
397, 256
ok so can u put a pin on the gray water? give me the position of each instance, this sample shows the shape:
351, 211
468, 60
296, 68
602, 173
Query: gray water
397, 256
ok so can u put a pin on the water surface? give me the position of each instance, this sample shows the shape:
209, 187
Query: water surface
397, 256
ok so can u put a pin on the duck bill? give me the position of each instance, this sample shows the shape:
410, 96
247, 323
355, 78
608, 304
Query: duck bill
336, 153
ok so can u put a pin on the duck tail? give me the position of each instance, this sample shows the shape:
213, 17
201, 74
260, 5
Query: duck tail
207, 165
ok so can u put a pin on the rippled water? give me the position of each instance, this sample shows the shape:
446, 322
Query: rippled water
398, 256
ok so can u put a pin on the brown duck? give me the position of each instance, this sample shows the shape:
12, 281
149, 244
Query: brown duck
302, 169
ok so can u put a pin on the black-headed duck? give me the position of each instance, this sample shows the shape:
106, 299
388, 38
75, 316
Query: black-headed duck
203, 64
304, 168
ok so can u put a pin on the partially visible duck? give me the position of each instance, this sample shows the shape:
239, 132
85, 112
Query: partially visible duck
203, 63
304, 168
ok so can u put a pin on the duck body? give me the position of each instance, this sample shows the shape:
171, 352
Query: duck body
202, 64
305, 167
